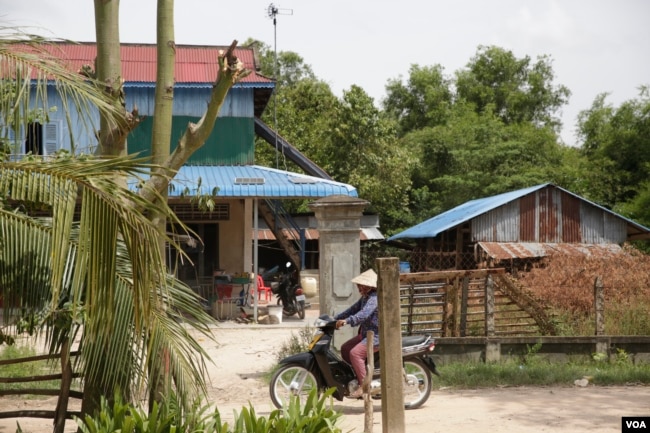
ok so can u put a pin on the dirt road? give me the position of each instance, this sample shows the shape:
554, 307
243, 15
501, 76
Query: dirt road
509, 410
242, 355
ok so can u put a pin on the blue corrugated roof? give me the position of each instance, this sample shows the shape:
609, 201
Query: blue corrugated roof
471, 209
458, 215
254, 181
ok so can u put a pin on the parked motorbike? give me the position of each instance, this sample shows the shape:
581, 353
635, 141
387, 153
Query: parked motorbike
322, 368
289, 293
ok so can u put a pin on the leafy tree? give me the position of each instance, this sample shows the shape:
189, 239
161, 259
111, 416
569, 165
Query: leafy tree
424, 100
302, 112
488, 130
287, 67
363, 151
616, 142
515, 90
476, 155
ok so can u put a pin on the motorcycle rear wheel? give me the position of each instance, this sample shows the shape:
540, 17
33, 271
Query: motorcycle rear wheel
292, 380
300, 307
287, 310
417, 385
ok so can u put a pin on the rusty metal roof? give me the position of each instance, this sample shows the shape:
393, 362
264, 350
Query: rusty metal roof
525, 250
195, 64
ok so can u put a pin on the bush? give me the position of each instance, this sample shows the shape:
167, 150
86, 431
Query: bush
296, 344
315, 417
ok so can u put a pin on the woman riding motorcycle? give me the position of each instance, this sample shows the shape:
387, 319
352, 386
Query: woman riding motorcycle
364, 312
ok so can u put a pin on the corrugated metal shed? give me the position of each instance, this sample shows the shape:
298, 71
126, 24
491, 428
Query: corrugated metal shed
460, 214
542, 213
253, 181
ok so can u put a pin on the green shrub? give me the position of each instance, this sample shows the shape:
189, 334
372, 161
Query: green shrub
314, 417
317, 416
296, 344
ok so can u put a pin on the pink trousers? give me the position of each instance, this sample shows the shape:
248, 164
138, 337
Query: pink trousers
355, 352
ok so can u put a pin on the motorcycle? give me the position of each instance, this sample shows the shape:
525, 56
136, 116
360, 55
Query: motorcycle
322, 368
289, 293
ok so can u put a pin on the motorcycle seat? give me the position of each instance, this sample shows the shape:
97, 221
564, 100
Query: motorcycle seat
413, 340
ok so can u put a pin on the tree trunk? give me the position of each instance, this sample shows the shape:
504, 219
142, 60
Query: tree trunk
64, 396
160, 148
113, 132
109, 72
112, 137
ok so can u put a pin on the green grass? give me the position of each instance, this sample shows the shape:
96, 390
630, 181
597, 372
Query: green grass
26, 369
537, 371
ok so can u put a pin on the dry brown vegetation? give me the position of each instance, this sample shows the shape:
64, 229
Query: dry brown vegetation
566, 284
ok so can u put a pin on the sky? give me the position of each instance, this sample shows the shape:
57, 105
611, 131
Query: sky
596, 46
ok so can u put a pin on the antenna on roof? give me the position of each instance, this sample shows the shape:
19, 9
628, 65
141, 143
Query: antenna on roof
272, 12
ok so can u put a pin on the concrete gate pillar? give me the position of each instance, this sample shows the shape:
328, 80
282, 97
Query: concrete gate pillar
339, 227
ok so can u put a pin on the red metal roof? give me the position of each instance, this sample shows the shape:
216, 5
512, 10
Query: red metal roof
194, 63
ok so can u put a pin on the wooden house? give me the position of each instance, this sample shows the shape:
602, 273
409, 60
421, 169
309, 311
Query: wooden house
224, 164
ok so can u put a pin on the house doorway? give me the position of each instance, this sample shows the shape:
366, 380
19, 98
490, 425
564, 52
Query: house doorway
203, 257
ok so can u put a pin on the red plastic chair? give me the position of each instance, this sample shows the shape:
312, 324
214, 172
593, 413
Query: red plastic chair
262, 289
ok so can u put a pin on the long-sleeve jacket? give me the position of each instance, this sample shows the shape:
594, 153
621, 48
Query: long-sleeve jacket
364, 312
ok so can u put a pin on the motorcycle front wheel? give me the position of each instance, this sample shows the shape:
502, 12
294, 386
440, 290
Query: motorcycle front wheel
417, 383
292, 380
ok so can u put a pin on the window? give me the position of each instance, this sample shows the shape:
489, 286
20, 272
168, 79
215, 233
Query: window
42, 139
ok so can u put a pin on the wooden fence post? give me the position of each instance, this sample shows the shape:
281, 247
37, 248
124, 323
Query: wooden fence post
64, 396
367, 381
492, 348
463, 307
599, 307
390, 347
489, 307
411, 308
453, 299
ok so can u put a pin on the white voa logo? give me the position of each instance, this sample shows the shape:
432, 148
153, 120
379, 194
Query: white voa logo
635, 424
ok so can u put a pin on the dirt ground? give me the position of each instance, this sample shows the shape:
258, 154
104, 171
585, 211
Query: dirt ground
243, 353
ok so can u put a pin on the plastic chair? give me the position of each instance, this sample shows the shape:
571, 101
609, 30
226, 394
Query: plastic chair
262, 289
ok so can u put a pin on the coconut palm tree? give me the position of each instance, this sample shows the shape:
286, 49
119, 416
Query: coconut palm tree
78, 257
78, 253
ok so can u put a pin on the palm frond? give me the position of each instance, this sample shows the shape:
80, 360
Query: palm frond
29, 67
101, 269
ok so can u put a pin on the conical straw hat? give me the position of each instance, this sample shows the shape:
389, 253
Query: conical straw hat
368, 278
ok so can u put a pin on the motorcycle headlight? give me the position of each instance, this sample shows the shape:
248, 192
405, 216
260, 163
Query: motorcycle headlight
319, 323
